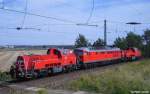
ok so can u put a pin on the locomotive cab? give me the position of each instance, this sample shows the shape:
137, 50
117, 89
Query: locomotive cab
20, 62
132, 53
79, 54
54, 52
18, 69
57, 53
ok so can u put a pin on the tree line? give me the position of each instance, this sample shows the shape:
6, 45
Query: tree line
141, 42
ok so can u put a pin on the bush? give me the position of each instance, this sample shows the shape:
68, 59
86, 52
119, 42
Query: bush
4, 76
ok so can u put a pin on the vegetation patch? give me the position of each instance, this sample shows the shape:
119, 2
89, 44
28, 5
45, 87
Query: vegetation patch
4, 76
133, 76
42, 91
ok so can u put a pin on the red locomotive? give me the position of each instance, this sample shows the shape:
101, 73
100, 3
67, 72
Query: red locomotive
132, 54
56, 60
91, 55
63, 60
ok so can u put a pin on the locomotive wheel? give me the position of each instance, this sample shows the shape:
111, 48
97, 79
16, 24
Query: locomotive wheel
71, 68
66, 69
84, 66
36, 74
49, 72
74, 67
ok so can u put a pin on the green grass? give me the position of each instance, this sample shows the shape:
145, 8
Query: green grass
42, 91
133, 76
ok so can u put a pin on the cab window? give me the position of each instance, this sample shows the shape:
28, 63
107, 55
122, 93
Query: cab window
48, 51
20, 60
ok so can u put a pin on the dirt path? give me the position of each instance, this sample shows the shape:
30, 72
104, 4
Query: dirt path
9, 61
4, 59
2, 53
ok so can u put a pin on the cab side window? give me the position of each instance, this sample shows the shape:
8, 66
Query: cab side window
133, 49
56, 52
48, 52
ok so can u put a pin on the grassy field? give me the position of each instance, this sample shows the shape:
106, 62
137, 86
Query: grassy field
126, 79
7, 58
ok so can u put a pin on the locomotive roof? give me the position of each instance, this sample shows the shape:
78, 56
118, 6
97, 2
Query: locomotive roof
92, 49
133, 48
65, 51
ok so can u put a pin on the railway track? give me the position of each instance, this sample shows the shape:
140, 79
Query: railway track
59, 81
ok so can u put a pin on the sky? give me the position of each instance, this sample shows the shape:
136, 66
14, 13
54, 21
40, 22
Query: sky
54, 32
